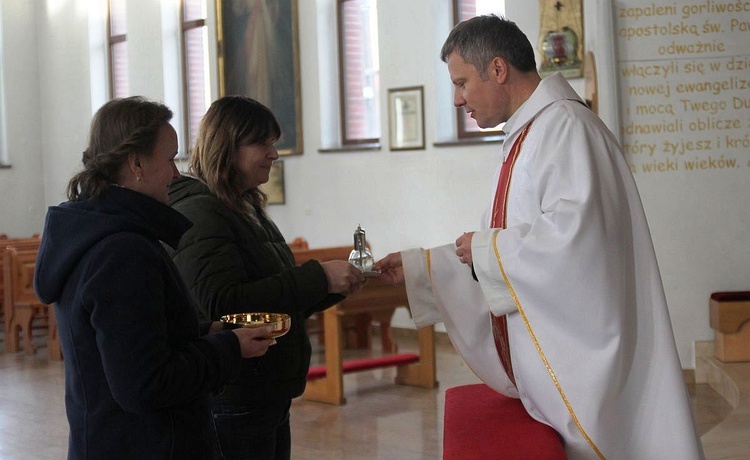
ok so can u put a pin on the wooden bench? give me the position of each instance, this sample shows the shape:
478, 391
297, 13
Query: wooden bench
21, 304
480, 423
378, 301
356, 325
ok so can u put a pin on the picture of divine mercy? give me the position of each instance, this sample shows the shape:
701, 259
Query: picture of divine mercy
259, 60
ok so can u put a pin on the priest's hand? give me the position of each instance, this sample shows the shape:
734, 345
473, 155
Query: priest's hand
391, 271
463, 248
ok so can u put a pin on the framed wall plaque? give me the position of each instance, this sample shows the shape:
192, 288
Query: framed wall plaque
406, 118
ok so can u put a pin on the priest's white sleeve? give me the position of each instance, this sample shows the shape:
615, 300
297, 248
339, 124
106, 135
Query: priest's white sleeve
441, 289
422, 304
491, 278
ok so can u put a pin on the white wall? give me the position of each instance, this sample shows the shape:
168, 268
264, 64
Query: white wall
64, 92
145, 48
21, 194
402, 199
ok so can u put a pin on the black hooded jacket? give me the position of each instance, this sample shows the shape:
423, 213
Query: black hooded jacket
137, 371
233, 265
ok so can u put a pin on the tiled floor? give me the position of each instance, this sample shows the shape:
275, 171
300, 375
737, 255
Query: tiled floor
379, 421
730, 438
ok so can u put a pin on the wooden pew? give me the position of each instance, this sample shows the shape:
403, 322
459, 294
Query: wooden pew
379, 300
23, 243
22, 306
356, 325
4, 242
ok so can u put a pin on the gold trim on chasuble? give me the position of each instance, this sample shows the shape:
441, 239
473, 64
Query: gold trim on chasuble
499, 323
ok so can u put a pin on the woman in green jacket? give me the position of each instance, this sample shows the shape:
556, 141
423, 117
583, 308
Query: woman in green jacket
235, 260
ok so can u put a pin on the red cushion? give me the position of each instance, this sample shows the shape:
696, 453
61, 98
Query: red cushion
480, 423
356, 365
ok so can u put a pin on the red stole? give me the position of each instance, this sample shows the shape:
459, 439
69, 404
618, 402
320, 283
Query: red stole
499, 210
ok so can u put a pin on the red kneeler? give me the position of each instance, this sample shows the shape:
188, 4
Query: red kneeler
480, 423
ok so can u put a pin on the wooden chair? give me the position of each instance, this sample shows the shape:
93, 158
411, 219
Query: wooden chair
22, 305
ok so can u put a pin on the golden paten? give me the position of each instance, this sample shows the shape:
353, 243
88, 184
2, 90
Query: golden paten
279, 322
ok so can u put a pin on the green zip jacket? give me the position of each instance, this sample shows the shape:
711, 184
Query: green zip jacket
233, 265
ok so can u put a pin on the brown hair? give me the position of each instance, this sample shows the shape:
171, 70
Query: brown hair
231, 122
120, 127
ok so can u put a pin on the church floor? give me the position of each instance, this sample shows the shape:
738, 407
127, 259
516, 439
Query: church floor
380, 420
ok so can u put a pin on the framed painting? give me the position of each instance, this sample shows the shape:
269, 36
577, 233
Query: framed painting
258, 57
406, 118
274, 188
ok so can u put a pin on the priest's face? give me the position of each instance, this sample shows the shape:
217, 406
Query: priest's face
482, 98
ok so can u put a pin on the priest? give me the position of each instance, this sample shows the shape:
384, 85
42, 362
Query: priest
558, 299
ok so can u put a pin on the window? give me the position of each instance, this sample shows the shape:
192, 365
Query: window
359, 71
194, 66
462, 10
118, 50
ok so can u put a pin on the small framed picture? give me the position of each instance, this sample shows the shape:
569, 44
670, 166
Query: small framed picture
274, 188
406, 117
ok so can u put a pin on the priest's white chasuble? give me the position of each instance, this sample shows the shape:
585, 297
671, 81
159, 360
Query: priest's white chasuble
568, 280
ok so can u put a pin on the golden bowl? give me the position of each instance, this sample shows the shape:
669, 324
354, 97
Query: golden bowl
279, 322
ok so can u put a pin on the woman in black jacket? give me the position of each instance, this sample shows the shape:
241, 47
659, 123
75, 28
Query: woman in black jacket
138, 367
235, 260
